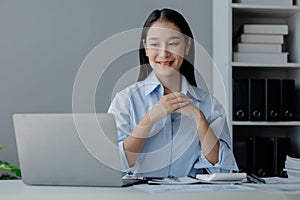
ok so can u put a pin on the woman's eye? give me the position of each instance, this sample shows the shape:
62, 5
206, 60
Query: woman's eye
173, 43
154, 45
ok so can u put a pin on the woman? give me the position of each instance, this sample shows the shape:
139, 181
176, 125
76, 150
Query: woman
166, 125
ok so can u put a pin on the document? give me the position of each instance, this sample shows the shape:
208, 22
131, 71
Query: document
192, 188
278, 180
292, 166
215, 178
290, 188
174, 181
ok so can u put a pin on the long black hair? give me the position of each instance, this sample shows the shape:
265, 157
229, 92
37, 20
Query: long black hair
168, 15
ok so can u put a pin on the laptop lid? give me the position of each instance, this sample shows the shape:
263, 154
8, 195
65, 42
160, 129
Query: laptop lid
68, 149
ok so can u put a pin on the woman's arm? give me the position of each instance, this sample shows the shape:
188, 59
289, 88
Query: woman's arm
136, 139
209, 142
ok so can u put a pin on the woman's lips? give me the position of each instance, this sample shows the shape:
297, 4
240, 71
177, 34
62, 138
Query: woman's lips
165, 63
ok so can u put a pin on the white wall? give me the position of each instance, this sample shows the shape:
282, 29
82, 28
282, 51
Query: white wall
43, 43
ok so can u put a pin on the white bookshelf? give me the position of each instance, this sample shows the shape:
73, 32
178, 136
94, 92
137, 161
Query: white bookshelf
264, 10
288, 65
265, 123
228, 17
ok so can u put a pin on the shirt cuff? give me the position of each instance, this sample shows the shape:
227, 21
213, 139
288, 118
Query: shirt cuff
124, 163
226, 161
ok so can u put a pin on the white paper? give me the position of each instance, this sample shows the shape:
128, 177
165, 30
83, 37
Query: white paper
177, 181
278, 180
191, 188
293, 188
218, 178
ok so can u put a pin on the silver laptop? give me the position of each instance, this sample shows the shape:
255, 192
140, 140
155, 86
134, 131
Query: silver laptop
68, 149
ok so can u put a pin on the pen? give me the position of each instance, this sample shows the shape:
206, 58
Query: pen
255, 179
152, 178
258, 178
174, 178
142, 178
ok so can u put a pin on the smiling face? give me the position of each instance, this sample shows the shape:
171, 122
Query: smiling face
165, 48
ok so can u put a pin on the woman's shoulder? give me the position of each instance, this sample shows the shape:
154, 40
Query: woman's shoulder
211, 103
131, 89
200, 93
205, 96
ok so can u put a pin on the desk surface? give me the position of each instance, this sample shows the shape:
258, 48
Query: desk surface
15, 189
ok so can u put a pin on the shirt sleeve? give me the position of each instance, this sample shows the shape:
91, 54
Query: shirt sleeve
120, 109
218, 124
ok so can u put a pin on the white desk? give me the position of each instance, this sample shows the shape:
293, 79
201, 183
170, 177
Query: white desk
15, 189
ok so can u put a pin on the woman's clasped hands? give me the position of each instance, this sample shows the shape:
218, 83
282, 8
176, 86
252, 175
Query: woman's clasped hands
174, 102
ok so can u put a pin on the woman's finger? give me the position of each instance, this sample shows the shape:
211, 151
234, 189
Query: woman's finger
180, 100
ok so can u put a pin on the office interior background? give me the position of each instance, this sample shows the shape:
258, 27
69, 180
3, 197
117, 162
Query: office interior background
44, 42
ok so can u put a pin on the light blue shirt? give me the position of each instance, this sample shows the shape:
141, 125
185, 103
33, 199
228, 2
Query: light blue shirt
173, 146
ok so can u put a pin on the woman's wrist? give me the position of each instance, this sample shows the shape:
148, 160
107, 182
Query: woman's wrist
198, 117
147, 121
143, 128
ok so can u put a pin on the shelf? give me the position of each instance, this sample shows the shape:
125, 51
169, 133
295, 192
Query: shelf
287, 65
264, 10
228, 19
266, 123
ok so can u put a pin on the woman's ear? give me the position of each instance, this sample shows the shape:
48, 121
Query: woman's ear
188, 46
144, 44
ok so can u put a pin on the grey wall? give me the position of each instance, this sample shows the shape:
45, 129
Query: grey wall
43, 43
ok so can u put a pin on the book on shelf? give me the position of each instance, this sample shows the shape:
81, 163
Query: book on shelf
263, 156
262, 38
267, 2
281, 29
258, 48
263, 58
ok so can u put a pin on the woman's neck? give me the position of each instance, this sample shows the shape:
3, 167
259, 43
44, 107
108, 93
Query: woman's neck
171, 84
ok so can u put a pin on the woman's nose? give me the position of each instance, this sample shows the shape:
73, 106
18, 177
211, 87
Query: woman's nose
164, 52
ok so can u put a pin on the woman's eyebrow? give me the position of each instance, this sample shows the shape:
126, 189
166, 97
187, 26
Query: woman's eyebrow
153, 38
174, 37
170, 38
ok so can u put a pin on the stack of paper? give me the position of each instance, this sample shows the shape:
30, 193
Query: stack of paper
292, 166
262, 43
216, 178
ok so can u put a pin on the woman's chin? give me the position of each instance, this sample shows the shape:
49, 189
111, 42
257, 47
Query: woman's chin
166, 70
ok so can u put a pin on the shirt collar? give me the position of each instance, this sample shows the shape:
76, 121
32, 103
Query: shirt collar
189, 90
152, 82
